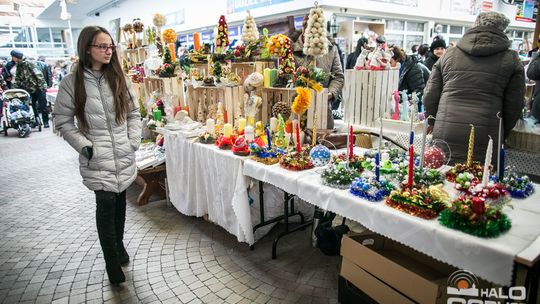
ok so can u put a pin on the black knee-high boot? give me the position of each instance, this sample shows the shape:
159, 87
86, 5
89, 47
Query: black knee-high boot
119, 221
105, 220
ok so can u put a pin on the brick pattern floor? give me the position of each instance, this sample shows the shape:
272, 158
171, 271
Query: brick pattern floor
49, 251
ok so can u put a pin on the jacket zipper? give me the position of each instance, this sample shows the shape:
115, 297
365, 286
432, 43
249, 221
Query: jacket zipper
109, 126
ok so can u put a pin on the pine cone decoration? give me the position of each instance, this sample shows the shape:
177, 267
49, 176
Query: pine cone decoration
282, 108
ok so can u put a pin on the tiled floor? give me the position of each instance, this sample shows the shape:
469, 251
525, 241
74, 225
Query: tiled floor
49, 250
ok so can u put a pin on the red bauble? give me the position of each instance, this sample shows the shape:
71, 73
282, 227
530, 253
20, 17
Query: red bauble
434, 157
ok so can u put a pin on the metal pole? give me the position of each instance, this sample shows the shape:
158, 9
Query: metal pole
72, 46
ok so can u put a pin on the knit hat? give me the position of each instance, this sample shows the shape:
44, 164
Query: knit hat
437, 43
492, 19
16, 54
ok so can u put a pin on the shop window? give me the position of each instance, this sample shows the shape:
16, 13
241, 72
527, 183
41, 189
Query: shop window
394, 39
43, 35
415, 26
412, 40
456, 29
395, 25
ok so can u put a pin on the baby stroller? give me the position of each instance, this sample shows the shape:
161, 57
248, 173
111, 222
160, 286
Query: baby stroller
18, 113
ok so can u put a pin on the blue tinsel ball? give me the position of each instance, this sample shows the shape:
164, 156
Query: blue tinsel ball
320, 155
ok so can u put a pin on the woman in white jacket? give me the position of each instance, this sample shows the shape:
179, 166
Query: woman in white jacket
106, 135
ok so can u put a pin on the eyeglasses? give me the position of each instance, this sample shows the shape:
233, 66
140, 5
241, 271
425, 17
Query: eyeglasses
104, 47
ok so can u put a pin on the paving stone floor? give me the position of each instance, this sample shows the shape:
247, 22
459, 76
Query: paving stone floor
49, 251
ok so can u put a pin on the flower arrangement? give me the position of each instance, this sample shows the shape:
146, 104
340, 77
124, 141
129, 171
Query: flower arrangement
339, 176
301, 101
476, 168
423, 177
168, 69
297, 161
265, 155
207, 138
518, 186
138, 26
355, 161
473, 215
279, 45
169, 36
371, 189
425, 203
136, 74
310, 77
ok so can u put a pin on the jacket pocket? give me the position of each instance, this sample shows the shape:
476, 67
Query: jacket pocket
93, 163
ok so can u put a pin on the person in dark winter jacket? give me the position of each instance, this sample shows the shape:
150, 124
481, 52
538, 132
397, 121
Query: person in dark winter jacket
46, 70
6, 73
351, 59
533, 73
422, 52
411, 72
471, 83
436, 50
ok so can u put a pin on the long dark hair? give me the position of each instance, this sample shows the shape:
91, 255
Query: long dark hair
360, 45
113, 74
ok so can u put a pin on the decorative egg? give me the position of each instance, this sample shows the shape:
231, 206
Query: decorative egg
320, 155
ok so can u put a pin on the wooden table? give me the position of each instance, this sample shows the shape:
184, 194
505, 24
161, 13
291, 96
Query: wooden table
153, 181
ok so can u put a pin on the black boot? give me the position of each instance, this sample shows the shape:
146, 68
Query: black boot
105, 220
119, 222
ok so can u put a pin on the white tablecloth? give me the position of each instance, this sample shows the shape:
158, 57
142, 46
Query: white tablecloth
205, 180
492, 259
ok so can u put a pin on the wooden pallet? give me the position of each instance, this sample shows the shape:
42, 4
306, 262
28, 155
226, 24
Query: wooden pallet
368, 93
242, 69
173, 86
232, 99
319, 104
135, 56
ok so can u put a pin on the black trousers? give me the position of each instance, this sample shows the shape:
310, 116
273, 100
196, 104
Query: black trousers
110, 221
39, 105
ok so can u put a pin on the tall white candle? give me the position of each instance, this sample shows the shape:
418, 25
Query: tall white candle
210, 125
249, 133
499, 142
273, 124
487, 163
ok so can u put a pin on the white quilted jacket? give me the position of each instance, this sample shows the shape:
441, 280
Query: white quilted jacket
112, 167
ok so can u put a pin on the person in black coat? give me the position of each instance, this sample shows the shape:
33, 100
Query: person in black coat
411, 73
6, 73
351, 59
436, 50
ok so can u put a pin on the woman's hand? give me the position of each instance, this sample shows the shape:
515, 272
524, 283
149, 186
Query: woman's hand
429, 129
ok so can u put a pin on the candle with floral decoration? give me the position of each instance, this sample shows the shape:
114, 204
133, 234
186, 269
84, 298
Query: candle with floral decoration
241, 124
471, 147
298, 145
273, 124
351, 141
487, 163
269, 138
411, 167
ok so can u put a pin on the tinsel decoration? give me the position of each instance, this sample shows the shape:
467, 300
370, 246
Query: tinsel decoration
473, 216
339, 176
355, 161
476, 168
424, 177
423, 203
297, 161
301, 101
465, 181
371, 189
518, 186
207, 138
262, 154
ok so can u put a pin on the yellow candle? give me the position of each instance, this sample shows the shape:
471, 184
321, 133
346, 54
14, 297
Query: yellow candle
259, 129
314, 137
227, 130
241, 124
471, 147
266, 77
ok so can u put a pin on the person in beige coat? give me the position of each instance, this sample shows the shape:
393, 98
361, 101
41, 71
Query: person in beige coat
106, 134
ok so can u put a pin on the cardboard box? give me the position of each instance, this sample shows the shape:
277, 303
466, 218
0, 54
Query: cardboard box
390, 272
348, 293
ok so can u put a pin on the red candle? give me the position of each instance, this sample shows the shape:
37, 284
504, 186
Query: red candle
177, 109
298, 146
411, 167
351, 142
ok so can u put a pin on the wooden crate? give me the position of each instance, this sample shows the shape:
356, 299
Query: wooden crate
173, 86
366, 93
232, 99
319, 104
524, 141
135, 56
242, 69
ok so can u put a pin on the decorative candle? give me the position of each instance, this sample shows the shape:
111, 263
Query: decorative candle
273, 124
348, 156
377, 166
499, 146
210, 125
241, 124
351, 141
411, 132
424, 135
269, 138
196, 41
395, 116
501, 163
173, 52
471, 147
487, 163
249, 133
266, 77
314, 137
298, 145
157, 114
411, 167
227, 130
